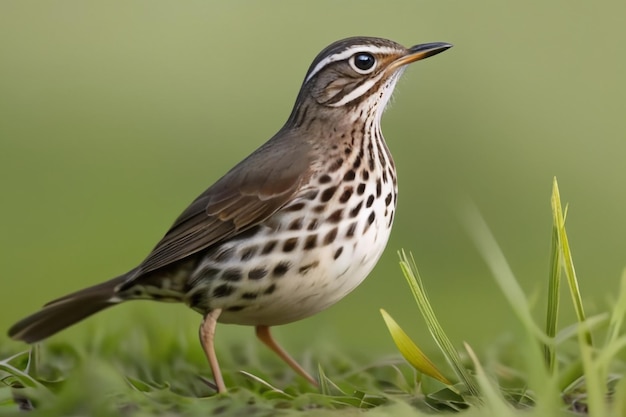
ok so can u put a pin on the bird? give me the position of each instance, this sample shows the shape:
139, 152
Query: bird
291, 229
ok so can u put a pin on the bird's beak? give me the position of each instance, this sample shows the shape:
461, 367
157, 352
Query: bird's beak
418, 52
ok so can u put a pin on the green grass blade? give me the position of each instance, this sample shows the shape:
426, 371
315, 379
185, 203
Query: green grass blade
595, 383
566, 254
23, 376
412, 276
570, 332
539, 379
266, 384
554, 286
411, 352
619, 404
573, 370
491, 394
326, 385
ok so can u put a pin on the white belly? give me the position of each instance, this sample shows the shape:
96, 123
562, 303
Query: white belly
299, 279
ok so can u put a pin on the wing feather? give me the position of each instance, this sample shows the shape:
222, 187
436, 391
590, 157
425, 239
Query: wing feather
246, 196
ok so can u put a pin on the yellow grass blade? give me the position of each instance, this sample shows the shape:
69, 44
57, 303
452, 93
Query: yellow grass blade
410, 351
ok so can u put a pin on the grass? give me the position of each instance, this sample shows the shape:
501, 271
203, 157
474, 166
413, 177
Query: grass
543, 371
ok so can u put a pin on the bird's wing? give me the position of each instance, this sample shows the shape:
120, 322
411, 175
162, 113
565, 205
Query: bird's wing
247, 195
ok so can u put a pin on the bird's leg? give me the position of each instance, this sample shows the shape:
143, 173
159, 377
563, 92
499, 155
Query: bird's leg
207, 334
264, 335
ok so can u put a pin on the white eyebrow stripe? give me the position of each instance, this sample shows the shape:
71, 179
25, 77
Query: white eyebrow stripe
348, 53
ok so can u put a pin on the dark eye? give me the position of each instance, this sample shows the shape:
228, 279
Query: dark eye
363, 63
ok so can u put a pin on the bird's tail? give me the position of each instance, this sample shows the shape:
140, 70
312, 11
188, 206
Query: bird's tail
65, 311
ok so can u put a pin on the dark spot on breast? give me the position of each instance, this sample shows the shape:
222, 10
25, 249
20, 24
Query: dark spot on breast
327, 194
324, 179
294, 207
336, 216
360, 189
248, 253
232, 275
330, 236
351, 230
371, 217
281, 269
357, 162
350, 175
270, 289
223, 290
385, 177
311, 194
388, 199
290, 244
370, 201
338, 252
390, 219
335, 165
197, 299
319, 208
379, 188
234, 309
365, 174
296, 224
313, 225
370, 155
249, 295
305, 268
355, 211
224, 254
269, 246
347, 193
257, 273
310, 242
209, 272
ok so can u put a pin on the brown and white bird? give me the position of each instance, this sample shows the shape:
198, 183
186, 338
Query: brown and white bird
291, 229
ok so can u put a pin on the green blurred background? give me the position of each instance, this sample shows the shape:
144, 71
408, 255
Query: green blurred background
115, 115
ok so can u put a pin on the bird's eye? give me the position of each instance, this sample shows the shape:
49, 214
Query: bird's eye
363, 63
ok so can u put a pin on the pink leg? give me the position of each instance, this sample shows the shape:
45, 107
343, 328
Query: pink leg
264, 335
207, 334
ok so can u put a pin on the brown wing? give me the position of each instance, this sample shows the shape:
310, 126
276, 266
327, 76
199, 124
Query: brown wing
247, 195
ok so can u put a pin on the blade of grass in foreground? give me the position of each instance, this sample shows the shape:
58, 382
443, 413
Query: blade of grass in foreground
539, 380
493, 397
22, 376
554, 285
566, 258
410, 351
415, 282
